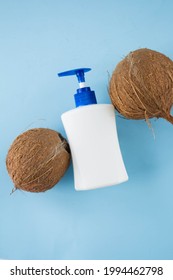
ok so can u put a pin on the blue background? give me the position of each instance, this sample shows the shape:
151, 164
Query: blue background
39, 38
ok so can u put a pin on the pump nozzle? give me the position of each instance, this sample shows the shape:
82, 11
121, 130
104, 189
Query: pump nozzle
84, 95
79, 74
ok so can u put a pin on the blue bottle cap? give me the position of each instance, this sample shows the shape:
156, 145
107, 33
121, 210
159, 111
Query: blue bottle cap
84, 95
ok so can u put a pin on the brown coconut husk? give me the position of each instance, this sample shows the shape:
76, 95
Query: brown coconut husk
37, 159
141, 86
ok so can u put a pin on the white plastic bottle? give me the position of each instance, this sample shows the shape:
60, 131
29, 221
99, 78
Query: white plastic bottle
92, 135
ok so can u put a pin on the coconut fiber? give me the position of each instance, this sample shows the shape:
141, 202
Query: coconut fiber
141, 85
37, 159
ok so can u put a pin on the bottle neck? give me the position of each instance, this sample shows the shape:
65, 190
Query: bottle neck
85, 96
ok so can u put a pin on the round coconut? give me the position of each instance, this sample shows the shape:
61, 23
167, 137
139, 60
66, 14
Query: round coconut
141, 85
37, 159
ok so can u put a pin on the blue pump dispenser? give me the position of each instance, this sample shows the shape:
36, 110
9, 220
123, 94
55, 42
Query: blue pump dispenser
84, 95
93, 140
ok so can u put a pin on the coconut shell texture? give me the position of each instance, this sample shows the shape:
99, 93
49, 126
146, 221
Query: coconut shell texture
37, 159
141, 85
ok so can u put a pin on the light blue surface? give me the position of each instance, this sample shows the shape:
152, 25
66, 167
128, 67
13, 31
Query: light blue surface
38, 39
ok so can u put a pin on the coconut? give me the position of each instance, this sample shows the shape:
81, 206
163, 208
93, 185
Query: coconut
141, 86
37, 159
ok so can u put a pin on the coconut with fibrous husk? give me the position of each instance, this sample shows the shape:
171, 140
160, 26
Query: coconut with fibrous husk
141, 86
37, 159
